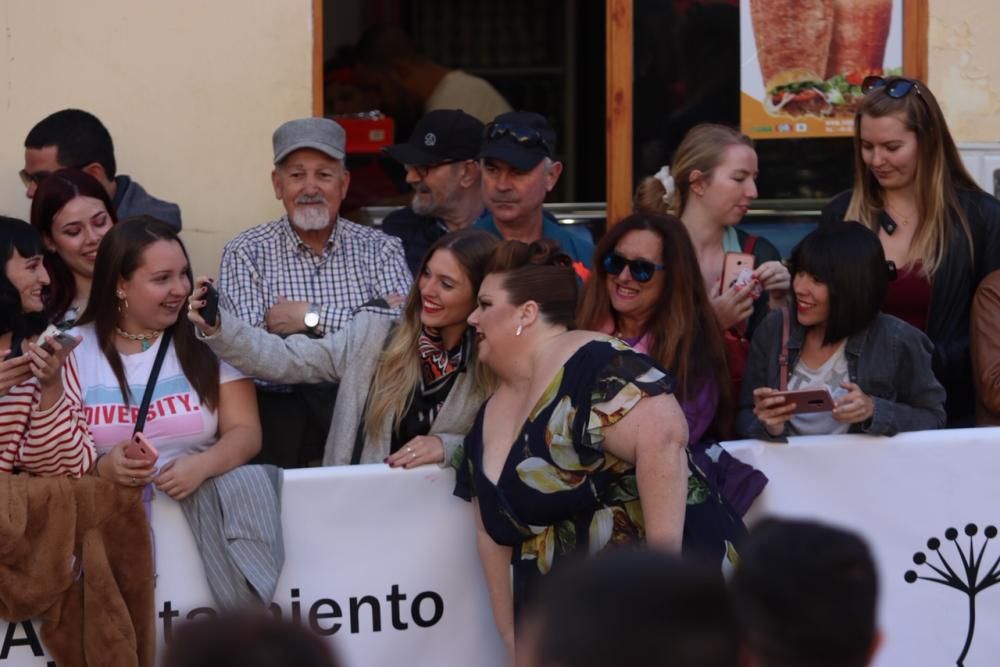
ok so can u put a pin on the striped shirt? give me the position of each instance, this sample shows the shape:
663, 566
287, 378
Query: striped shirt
52, 442
357, 264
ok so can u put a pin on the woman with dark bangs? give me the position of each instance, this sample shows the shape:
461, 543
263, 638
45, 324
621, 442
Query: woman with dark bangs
43, 430
934, 222
72, 212
876, 367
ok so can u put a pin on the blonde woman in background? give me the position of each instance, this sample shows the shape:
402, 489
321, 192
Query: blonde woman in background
935, 223
710, 186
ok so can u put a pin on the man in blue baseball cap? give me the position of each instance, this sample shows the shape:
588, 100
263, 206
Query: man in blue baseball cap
441, 167
520, 168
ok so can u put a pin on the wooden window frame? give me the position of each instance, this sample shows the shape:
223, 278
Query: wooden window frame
620, 81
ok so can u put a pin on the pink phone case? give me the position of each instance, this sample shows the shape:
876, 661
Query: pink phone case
809, 400
141, 449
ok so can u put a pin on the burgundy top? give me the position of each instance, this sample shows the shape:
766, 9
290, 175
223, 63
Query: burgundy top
909, 296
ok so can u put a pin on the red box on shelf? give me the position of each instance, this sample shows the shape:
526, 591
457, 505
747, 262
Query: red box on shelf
367, 133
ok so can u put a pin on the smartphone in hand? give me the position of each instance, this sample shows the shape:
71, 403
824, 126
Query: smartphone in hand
61, 337
210, 311
737, 269
808, 400
141, 449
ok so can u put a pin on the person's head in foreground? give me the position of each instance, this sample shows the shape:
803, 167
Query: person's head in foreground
805, 596
629, 608
246, 639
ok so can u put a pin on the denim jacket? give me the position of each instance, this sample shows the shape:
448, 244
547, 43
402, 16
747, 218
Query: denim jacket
890, 360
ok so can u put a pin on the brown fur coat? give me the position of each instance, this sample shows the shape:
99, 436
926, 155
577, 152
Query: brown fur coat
50, 529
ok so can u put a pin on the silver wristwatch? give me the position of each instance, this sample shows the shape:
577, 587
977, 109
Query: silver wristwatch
311, 320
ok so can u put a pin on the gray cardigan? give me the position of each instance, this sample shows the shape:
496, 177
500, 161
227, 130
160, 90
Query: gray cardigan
348, 356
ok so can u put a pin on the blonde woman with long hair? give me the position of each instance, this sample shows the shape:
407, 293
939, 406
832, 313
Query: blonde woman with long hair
936, 225
409, 390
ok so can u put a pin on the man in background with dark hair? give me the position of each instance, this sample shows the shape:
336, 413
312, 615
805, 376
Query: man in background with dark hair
805, 595
75, 138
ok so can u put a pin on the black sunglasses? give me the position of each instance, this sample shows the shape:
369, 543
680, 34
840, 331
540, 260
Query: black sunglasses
895, 87
522, 135
642, 270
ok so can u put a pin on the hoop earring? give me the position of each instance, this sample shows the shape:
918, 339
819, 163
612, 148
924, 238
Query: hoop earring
520, 328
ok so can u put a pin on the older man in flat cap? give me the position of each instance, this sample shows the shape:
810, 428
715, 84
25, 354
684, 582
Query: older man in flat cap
306, 272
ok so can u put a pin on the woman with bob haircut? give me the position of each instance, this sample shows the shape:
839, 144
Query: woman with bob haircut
935, 224
409, 389
43, 430
72, 212
582, 447
875, 366
202, 419
646, 290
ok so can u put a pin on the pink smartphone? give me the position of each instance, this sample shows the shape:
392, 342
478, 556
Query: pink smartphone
808, 400
141, 449
737, 269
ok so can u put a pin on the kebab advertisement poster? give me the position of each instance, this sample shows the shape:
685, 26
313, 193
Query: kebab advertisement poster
803, 62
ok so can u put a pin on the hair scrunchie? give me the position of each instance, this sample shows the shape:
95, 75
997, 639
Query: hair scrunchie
664, 177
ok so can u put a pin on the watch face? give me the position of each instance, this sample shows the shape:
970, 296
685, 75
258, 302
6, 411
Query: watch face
311, 319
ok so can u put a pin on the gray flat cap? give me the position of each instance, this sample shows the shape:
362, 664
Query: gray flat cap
321, 134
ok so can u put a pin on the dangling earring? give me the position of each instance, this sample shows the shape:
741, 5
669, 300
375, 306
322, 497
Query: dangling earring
520, 328
122, 300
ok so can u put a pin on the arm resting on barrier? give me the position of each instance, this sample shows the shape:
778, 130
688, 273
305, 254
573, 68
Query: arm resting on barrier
239, 441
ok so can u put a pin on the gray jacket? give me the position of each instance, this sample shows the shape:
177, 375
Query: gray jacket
890, 360
348, 356
131, 199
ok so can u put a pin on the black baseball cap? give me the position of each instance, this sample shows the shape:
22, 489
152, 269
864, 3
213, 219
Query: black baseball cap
519, 138
442, 134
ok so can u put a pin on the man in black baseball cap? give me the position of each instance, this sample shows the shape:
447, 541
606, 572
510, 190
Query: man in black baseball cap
441, 167
520, 168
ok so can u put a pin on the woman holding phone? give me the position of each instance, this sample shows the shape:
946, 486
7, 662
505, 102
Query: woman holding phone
710, 186
876, 368
72, 212
934, 222
43, 430
408, 390
202, 416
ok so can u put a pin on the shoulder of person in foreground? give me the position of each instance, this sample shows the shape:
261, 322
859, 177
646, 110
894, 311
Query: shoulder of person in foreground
984, 325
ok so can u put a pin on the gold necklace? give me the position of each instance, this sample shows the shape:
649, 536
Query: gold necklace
145, 340
896, 215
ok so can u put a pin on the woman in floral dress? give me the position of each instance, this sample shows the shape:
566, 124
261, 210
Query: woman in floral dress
581, 448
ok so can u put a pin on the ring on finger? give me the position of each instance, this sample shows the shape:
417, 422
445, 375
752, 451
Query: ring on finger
409, 450
413, 455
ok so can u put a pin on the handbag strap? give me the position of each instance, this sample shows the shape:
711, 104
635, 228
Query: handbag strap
783, 356
140, 421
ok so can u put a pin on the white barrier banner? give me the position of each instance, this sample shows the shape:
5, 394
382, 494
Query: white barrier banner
383, 562
929, 506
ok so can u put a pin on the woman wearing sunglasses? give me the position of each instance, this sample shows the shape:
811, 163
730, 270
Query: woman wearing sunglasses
710, 190
646, 289
938, 228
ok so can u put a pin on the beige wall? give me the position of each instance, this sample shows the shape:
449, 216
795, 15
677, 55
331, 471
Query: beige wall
964, 66
190, 90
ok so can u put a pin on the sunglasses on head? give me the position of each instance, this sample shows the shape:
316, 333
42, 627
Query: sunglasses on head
642, 270
895, 88
522, 135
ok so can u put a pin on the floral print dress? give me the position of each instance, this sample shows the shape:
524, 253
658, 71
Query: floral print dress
560, 494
